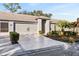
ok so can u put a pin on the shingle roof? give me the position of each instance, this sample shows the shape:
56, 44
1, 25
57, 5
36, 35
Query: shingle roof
19, 17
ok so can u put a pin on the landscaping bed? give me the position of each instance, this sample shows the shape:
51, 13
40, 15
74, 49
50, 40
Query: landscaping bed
67, 36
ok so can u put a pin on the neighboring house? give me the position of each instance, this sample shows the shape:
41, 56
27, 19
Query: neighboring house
24, 24
77, 25
54, 26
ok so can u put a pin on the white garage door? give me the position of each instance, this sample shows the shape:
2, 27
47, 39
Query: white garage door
26, 28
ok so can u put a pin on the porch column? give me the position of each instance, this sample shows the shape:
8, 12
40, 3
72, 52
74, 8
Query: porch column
47, 26
39, 25
11, 26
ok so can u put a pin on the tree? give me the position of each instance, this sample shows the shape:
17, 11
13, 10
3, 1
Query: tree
73, 25
36, 13
63, 24
24, 12
12, 7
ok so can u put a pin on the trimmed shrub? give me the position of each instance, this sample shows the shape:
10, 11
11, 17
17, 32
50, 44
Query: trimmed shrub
71, 40
55, 33
49, 33
41, 32
14, 37
70, 33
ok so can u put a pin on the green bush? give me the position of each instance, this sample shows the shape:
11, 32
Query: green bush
70, 33
55, 33
49, 33
41, 32
14, 37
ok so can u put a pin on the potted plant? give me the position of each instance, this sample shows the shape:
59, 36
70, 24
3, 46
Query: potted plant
14, 37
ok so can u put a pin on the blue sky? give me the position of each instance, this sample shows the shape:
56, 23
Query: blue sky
64, 11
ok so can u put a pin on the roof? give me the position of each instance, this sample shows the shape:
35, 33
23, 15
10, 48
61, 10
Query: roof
19, 17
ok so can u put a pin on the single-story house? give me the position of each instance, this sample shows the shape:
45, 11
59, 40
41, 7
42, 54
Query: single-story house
25, 24
28, 24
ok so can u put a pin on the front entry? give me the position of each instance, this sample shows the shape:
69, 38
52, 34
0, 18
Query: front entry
43, 25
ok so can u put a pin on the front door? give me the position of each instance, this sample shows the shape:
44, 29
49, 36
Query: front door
43, 25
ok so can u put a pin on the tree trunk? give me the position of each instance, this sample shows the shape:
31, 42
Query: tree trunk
62, 30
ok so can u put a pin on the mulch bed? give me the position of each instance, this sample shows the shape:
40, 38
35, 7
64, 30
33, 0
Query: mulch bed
64, 38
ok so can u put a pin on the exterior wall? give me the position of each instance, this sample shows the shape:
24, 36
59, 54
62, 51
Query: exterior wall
55, 27
26, 28
39, 25
58, 28
11, 26
47, 26
22, 27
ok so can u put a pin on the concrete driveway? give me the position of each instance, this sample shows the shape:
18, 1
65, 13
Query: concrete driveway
31, 45
31, 42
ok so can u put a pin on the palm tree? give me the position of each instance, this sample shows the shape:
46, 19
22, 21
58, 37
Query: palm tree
73, 25
63, 24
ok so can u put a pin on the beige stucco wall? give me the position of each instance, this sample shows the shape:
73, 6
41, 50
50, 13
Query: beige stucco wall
57, 28
28, 27
47, 26
52, 27
39, 25
10, 26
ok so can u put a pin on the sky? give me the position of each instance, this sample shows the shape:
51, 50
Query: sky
61, 11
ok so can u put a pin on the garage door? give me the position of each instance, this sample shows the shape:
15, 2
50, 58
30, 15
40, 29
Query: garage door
26, 28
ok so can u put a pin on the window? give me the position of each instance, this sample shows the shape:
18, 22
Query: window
4, 27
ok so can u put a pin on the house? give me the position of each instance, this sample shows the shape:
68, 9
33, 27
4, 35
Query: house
54, 26
24, 24
28, 24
